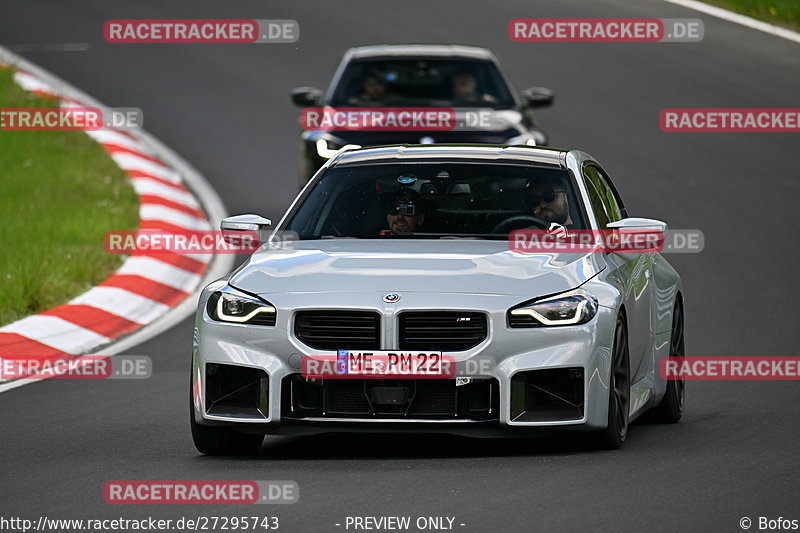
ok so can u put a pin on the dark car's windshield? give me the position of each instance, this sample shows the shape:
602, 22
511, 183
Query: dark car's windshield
435, 200
422, 83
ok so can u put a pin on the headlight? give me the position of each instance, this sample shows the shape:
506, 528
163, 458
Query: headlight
566, 309
230, 305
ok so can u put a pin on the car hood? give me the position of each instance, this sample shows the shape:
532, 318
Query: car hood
400, 265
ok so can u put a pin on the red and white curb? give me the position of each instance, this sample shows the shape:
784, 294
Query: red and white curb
147, 294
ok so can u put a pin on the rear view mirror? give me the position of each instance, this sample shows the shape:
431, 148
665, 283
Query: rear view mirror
306, 96
538, 97
239, 223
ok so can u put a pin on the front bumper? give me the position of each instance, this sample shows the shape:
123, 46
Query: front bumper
517, 370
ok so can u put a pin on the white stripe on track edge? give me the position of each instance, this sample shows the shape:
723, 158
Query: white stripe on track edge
123, 303
130, 162
149, 212
146, 186
61, 334
737, 18
167, 274
107, 136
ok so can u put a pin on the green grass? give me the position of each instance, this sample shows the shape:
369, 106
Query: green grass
779, 12
60, 193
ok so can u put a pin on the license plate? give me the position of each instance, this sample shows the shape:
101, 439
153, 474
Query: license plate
392, 363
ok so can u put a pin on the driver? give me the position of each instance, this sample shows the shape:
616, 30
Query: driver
547, 199
405, 213
375, 90
464, 86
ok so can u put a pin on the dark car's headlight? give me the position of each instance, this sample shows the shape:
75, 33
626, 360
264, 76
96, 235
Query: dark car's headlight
230, 305
565, 309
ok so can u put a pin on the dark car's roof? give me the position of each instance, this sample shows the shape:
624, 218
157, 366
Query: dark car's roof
421, 152
420, 50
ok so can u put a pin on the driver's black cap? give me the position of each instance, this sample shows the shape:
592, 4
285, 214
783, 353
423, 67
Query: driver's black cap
408, 196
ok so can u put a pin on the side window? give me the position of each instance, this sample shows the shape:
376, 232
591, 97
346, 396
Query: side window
597, 205
605, 195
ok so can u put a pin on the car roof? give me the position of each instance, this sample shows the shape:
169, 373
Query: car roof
543, 156
420, 50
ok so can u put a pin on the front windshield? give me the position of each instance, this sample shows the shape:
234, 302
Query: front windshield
436, 200
422, 83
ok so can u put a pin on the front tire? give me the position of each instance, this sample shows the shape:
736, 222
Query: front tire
615, 433
670, 409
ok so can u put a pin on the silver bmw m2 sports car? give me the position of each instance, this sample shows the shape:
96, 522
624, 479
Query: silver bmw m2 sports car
396, 267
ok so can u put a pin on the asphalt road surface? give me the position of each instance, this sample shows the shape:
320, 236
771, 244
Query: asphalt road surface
226, 109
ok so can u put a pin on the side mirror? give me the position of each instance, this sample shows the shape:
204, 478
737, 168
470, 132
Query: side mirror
636, 235
538, 97
255, 223
643, 224
306, 96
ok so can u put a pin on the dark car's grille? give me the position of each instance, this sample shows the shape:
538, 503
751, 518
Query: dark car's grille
339, 330
434, 399
446, 331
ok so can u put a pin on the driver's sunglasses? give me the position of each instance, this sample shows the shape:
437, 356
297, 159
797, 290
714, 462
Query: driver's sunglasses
402, 209
547, 197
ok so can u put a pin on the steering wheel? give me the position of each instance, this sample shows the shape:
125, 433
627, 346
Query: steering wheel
520, 222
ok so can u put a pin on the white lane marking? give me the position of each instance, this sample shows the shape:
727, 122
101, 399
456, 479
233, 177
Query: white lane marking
57, 333
122, 303
134, 162
172, 216
730, 16
144, 186
159, 271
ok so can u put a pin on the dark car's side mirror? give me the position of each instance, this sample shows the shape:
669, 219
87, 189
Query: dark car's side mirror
538, 96
306, 96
